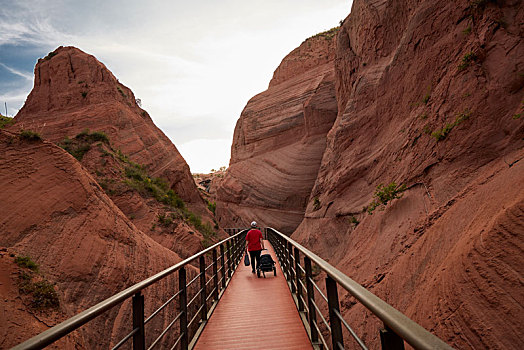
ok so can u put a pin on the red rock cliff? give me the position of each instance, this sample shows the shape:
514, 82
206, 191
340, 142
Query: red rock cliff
429, 95
279, 141
73, 91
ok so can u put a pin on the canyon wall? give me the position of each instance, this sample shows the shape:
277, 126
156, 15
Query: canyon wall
279, 141
429, 95
54, 211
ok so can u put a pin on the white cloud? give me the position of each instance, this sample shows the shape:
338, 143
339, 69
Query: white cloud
24, 75
202, 155
193, 64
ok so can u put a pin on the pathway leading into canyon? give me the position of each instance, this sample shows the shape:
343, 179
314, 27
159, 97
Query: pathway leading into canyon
255, 313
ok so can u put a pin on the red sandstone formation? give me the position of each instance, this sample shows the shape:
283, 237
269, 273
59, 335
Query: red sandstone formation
54, 211
279, 141
430, 95
73, 91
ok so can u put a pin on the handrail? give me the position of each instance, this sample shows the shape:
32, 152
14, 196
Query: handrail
53, 334
400, 324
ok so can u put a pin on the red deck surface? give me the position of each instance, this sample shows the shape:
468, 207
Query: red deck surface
255, 313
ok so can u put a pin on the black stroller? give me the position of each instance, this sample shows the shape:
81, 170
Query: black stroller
266, 264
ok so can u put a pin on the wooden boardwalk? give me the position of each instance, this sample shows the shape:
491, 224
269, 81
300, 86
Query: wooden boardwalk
255, 313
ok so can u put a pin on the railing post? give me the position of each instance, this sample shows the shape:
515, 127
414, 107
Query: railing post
312, 316
203, 293
182, 303
215, 274
139, 338
291, 274
298, 275
222, 262
228, 245
390, 340
336, 326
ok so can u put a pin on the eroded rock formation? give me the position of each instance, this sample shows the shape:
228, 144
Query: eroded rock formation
279, 141
73, 91
430, 95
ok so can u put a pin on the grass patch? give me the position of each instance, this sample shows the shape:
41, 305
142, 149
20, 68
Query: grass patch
467, 60
327, 35
26, 262
467, 31
517, 116
42, 291
156, 187
384, 194
81, 143
84, 94
30, 135
5, 121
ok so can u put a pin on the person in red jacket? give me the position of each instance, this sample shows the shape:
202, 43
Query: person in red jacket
254, 245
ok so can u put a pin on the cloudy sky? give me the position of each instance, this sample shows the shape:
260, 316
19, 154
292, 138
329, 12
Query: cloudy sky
194, 64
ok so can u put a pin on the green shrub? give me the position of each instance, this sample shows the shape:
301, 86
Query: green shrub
467, 31
316, 204
25, 261
164, 219
212, 206
84, 94
384, 194
44, 295
30, 135
354, 220
121, 92
516, 116
81, 144
441, 134
43, 292
466, 60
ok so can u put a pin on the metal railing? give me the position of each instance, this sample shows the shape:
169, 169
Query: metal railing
300, 277
223, 258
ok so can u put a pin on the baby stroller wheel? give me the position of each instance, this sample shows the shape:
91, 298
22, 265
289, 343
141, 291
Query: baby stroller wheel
274, 271
258, 273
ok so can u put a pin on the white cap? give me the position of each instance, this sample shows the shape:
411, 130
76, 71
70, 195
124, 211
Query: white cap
254, 224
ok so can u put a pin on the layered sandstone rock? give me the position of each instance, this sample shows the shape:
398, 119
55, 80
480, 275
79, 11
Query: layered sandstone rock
429, 95
73, 91
279, 141
55, 212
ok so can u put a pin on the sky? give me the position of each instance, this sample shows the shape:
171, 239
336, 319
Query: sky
194, 64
